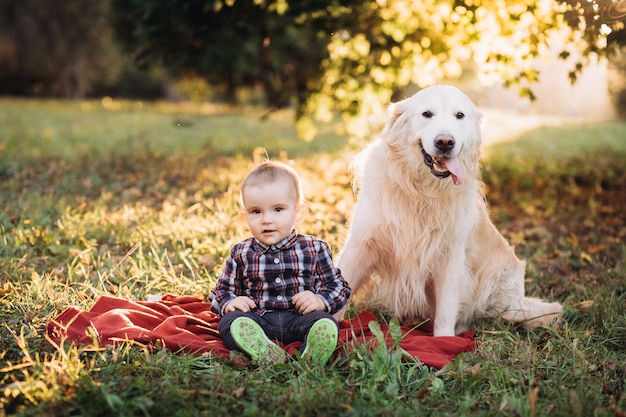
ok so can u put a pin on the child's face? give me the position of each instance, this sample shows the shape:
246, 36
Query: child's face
272, 211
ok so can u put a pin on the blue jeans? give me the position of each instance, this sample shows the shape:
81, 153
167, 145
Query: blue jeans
285, 326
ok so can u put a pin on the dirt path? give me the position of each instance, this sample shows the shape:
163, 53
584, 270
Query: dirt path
505, 126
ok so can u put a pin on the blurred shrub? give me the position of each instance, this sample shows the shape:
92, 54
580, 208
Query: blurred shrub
617, 81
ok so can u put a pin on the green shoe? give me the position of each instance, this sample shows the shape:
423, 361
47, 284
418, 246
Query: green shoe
251, 338
321, 342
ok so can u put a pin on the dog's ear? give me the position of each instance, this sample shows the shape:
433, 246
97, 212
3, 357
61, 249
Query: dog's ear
482, 119
395, 111
395, 121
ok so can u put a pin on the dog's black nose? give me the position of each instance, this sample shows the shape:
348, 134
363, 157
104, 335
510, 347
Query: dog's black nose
444, 142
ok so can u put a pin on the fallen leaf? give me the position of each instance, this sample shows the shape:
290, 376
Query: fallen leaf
593, 249
517, 238
56, 272
238, 393
585, 258
474, 370
85, 258
5, 288
241, 361
554, 254
584, 305
205, 260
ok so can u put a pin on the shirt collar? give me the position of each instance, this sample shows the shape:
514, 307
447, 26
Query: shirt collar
286, 243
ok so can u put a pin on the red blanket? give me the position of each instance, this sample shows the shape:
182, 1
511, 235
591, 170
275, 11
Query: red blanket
186, 324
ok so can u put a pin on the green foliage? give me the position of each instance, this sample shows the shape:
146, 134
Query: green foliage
320, 58
617, 83
57, 49
126, 199
388, 369
602, 21
233, 44
348, 56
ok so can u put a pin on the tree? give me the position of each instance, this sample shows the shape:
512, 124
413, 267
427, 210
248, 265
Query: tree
353, 56
237, 43
61, 48
600, 26
493, 40
601, 22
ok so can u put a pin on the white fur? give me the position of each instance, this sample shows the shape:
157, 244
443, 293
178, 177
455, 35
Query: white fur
421, 247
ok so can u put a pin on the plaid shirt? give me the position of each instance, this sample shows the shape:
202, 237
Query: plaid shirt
272, 275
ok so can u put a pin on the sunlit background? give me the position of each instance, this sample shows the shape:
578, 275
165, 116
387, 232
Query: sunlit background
560, 58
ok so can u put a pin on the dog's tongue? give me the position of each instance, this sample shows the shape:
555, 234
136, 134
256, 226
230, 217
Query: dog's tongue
455, 168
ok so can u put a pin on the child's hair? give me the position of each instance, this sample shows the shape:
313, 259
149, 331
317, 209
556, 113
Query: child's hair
270, 171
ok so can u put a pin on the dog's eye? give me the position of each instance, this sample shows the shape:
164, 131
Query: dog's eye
427, 114
460, 115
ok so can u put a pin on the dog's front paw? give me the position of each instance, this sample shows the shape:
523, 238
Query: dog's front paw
550, 316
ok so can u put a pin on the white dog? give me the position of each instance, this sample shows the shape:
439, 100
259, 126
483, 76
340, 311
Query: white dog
421, 244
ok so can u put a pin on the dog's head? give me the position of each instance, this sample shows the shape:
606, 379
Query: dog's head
439, 128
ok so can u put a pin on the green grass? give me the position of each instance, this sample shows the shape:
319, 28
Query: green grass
130, 199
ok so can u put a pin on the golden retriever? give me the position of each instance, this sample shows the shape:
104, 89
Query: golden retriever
420, 243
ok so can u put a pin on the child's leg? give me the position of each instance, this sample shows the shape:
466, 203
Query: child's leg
244, 332
224, 327
320, 332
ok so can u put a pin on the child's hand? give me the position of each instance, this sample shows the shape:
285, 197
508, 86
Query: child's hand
307, 302
241, 303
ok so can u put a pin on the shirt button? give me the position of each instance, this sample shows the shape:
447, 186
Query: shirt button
276, 260
279, 298
277, 280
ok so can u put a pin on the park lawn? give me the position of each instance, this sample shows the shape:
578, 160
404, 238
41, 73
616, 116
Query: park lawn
130, 199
